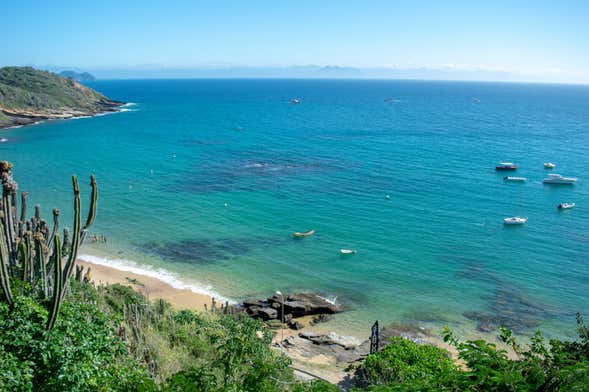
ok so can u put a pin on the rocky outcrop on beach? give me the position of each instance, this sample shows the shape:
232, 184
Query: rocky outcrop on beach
28, 96
295, 306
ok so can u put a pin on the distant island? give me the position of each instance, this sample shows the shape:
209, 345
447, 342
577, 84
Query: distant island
78, 76
28, 95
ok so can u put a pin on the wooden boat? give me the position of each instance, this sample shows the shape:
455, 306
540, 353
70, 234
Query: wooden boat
299, 234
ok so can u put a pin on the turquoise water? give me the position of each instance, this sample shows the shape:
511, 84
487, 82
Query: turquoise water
431, 253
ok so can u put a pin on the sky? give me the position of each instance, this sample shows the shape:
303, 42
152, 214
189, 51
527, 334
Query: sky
540, 40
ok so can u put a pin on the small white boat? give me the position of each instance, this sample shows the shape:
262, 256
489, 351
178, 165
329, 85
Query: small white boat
515, 220
549, 165
515, 179
347, 251
295, 100
559, 179
565, 206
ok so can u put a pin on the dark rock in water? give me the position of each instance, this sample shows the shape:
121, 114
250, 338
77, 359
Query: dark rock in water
293, 324
263, 312
296, 305
305, 304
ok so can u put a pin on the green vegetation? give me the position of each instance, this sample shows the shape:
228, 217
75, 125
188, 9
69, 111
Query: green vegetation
26, 92
406, 366
78, 76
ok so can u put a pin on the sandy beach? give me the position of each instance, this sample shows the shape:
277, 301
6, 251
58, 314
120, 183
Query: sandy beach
153, 288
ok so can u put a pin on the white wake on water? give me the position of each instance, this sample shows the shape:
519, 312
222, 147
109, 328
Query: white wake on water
161, 274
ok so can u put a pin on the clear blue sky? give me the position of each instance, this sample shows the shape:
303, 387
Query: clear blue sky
537, 37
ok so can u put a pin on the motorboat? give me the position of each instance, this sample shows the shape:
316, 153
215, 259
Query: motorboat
295, 100
515, 220
515, 179
347, 251
299, 234
559, 179
506, 166
549, 165
565, 206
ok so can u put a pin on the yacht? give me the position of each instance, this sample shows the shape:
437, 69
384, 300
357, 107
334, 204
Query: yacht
515, 179
549, 165
515, 220
506, 166
565, 206
559, 179
347, 251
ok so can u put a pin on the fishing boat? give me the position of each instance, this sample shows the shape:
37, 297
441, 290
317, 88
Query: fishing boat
515, 220
515, 179
549, 165
559, 179
347, 251
565, 206
299, 234
506, 166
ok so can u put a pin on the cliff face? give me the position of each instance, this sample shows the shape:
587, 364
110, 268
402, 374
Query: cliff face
28, 95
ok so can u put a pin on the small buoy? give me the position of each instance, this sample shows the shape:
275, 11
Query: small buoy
130, 186
226, 205
387, 197
150, 171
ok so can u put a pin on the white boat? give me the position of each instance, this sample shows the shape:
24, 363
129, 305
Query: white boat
549, 165
515, 179
506, 166
515, 220
295, 100
559, 179
347, 251
565, 206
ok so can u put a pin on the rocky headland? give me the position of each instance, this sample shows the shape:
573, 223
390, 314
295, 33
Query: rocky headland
28, 95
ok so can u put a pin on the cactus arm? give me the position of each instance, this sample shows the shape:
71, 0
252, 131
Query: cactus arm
23, 206
54, 231
57, 284
4, 256
6, 209
29, 257
22, 255
40, 258
71, 261
92, 209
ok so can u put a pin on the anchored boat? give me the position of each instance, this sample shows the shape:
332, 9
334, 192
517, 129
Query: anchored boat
565, 206
299, 234
347, 251
506, 166
559, 179
549, 165
515, 179
515, 220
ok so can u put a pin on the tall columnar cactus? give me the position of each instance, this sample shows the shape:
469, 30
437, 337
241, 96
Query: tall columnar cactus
31, 251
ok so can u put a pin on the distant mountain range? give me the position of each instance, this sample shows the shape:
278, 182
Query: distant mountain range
28, 95
443, 72
78, 76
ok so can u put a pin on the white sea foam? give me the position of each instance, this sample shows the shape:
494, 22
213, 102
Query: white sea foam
161, 274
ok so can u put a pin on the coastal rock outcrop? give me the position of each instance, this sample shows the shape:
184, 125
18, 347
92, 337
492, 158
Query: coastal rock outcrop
295, 305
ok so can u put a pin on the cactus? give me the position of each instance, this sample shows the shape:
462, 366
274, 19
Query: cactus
32, 251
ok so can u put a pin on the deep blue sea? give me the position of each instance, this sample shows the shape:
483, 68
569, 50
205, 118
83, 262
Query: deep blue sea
203, 182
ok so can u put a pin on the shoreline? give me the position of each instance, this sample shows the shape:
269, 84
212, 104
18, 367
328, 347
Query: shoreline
20, 119
152, 287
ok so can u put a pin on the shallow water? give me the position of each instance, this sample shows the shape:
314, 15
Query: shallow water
206, 180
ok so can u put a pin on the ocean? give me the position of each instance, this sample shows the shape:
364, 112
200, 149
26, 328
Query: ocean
203, 182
